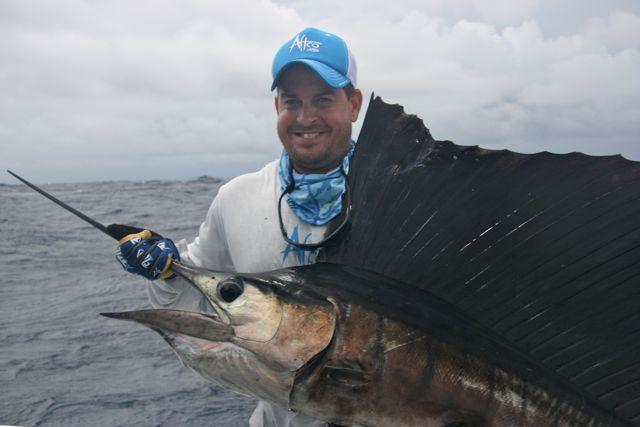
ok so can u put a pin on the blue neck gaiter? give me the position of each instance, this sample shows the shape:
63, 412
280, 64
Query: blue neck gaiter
316, 198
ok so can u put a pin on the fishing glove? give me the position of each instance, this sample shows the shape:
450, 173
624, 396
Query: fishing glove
147, 254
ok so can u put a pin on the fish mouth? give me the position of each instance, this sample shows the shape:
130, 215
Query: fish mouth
198, 325
240, 302
205, 282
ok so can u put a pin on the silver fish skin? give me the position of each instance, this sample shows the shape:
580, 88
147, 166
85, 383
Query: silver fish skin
322, 340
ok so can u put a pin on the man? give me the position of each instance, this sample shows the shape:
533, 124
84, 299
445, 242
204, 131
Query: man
316, 103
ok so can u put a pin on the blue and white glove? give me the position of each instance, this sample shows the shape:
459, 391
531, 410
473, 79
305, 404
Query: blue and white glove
147, 254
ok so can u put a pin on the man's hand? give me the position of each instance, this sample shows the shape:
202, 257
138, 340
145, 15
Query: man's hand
147, 254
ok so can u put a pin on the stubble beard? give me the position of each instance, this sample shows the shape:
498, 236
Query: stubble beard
322, 162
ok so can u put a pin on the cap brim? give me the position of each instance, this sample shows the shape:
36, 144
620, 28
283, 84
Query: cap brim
328, 74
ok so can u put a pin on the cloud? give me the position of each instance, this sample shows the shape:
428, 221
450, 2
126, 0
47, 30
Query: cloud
512, 87
138, 90
115, 90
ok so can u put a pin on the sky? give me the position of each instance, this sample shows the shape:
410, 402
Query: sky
95, 90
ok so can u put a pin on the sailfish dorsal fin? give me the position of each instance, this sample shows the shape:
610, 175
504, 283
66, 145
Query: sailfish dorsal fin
543, 249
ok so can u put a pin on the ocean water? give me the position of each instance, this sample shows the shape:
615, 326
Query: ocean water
61, 364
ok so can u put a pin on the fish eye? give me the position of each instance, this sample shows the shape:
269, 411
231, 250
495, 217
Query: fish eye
230, 289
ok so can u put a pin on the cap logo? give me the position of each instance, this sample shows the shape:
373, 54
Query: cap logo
305, 45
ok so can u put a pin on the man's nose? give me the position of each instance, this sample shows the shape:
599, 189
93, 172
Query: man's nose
307, 114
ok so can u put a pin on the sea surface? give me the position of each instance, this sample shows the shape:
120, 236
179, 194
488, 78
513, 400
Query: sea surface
61, 363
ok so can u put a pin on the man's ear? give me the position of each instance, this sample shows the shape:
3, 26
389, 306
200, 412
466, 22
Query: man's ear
356, 104
275, 103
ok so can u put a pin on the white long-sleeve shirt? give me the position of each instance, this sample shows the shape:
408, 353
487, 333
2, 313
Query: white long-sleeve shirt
241, 233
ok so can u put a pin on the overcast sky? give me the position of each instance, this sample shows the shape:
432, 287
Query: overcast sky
103, 90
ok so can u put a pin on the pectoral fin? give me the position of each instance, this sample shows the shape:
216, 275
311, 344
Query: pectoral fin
347, 373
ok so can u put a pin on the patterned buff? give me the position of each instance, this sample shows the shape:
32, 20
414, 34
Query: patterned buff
316, 198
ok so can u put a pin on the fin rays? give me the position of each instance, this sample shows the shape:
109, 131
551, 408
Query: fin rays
543, 249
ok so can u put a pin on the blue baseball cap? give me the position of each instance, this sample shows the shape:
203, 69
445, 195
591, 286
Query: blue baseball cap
325, 53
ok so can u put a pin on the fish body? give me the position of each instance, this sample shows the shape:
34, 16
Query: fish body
351, 347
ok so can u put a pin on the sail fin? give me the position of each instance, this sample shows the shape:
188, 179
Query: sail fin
543, 249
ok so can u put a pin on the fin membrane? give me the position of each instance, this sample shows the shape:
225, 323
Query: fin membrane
544, 249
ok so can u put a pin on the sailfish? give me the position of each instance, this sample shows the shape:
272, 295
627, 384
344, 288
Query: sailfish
471, 287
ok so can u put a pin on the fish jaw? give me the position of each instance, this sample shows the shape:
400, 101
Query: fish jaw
262, 363
204, 344
232, 367
204, 326
283, 329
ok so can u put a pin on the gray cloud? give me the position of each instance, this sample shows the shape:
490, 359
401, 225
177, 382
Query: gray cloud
141, 90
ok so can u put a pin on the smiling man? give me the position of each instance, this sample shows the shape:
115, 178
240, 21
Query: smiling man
314, 119
276, 217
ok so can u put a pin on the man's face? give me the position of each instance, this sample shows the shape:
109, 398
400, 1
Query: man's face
314, 120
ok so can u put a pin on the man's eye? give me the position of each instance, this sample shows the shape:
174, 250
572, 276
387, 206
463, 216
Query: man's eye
291, 102
324, 100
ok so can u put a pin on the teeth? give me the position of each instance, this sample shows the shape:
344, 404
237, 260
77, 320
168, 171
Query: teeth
311, 135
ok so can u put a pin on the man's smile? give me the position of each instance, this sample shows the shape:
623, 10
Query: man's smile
309, 135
